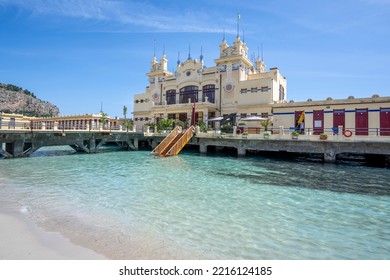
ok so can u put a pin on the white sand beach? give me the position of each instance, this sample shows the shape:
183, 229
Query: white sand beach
21, 239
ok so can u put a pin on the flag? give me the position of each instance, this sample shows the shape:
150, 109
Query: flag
302, 116
193, 114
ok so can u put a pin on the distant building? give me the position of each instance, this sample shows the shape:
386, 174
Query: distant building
72, 122
234, 85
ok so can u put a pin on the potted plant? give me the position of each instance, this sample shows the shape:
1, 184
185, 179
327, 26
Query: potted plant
323, 136
266, 135
294, 135
245, 134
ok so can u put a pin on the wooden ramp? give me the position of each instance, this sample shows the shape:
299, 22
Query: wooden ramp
174, 142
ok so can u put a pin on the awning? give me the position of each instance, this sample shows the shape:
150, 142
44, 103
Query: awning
215, 119
253, 118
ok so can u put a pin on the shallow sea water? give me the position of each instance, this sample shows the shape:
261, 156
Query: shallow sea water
136, 206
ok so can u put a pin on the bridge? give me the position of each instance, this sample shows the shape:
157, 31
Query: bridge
23, 143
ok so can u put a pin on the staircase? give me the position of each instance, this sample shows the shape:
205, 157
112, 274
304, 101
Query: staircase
174, 142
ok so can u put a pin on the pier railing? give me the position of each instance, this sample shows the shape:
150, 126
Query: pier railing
52, 126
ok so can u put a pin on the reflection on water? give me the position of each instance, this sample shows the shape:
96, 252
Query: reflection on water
134, 205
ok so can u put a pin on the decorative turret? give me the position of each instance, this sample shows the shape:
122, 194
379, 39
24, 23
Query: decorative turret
163, 63
260, 65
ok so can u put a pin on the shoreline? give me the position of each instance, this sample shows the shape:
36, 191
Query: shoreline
22, 239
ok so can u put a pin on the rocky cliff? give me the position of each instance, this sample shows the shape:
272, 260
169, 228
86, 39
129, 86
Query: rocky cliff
16, 100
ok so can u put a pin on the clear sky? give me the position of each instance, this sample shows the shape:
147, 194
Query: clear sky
78, 54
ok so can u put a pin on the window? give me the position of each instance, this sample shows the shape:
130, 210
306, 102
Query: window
171, 96
243, 90
253, 114
136, 101
243, 115
136, 119
264, 115
209, 92
142, 101
265, 89
141, 119
253, 89
188, 94
171, 116
282, 95
146, 119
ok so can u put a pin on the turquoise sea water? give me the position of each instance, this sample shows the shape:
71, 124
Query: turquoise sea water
134, 205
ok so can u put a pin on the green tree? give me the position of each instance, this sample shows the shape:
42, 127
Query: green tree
265, 124
128, 124
124, 111
165, 124
103, 119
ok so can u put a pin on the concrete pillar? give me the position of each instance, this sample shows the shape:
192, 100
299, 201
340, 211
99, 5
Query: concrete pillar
387, 159
136, 144
55, 127
234, 130
43, 126
18, 148
92, 145
330, 156
241, 151
154, 143
203, 149
281, 130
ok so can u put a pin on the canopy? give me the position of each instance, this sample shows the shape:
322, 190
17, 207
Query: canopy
215, 119
253, 118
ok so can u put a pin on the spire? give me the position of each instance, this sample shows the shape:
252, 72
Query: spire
243, 36
201, 53
262, 52
178, 58
189, 52
224, 38
154, 49
238, 25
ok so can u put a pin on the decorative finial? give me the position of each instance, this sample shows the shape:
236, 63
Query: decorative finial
224, 39
201, 53
189, 52
243, 36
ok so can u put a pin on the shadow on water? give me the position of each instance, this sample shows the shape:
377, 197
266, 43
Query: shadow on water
309, 172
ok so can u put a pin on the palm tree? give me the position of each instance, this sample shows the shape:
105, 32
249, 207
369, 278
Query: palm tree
103, 119
124, 111
266, 123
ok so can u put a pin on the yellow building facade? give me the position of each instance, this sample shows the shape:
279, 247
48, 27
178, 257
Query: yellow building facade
234, 85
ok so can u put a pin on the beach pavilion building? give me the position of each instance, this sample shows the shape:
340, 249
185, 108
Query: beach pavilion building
236, 85
233, 85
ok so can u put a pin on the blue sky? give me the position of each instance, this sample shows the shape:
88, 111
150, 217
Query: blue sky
81, 53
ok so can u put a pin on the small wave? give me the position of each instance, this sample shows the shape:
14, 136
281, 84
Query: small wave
25, 210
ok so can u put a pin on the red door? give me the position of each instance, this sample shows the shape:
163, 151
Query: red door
338, 119
361, 122
385, 122
318, 122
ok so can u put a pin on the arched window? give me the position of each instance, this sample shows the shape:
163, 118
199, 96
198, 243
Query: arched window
209, 92
171, 96
189, 93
